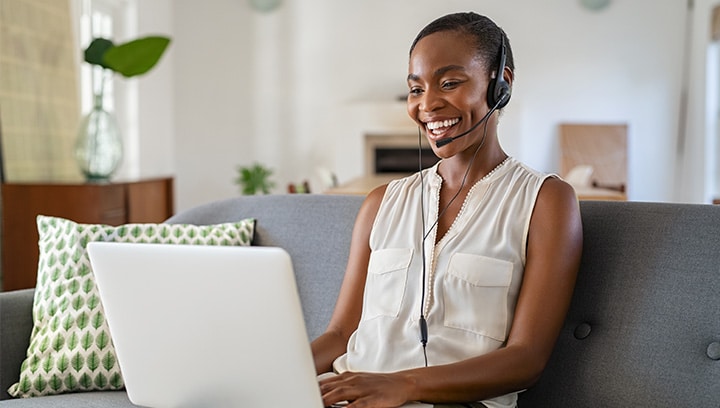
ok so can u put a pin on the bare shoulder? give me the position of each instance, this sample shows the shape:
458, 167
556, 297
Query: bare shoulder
556, 195
557, 212
372, 202
368, 210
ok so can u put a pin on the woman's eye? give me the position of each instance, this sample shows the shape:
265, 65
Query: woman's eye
414, 91
450, 84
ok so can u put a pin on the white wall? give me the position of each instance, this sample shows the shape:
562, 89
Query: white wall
156, 95
295, 88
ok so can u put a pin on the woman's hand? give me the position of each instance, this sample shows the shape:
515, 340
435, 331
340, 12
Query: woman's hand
367, 390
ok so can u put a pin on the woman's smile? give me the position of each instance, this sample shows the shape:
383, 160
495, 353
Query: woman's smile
440, 127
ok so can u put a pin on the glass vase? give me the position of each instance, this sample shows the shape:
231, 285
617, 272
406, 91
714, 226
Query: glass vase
98, 149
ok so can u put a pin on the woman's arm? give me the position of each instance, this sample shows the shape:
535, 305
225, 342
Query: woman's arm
348, 308
553, 258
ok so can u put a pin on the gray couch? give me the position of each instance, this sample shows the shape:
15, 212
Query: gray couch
643, 329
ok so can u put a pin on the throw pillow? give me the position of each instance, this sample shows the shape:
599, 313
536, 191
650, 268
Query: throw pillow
70, 345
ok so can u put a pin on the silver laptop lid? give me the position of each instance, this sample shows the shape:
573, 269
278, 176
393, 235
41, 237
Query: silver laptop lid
206, 326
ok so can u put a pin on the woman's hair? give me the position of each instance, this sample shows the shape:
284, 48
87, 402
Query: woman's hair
488, 36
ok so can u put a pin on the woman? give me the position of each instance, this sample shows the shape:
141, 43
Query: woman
459, 277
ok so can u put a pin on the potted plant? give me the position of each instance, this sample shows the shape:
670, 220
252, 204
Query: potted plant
254, 179
98, 149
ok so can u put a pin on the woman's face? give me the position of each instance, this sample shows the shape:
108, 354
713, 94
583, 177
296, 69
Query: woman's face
448, 84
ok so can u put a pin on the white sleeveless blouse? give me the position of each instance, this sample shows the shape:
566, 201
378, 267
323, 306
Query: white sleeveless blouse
473, 274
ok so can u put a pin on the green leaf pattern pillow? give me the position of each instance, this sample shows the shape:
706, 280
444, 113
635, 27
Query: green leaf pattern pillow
70, 347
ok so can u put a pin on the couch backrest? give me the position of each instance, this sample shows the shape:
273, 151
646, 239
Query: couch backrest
314, 229
644, 324
643, 329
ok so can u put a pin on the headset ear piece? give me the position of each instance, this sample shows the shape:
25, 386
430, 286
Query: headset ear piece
502, 94
499, 90
498, 93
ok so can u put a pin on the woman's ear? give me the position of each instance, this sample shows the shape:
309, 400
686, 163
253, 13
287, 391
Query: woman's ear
509, 76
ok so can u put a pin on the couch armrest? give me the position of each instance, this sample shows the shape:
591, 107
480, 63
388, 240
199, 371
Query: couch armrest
16, 324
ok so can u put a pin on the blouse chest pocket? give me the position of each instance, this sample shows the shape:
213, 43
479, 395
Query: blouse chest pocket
386, 281
475, 294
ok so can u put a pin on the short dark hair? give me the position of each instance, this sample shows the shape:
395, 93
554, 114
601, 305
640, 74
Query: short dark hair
488, 36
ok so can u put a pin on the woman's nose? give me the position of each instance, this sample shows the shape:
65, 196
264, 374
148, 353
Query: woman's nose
431, 101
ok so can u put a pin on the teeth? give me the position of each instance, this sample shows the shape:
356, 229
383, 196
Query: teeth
442, 123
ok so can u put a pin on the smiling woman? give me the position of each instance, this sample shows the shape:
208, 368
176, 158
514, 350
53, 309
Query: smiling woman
468, 250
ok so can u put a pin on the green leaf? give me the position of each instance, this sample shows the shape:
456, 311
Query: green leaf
82, 320
83, 270
116, 381
109, 360
55, 383
78, 302
54, 323
40, 383
101, 381
77, 362
77, 255
93, 302
73, 341
95, 52
58, 342
52, 308
136, 57
86, 341
71, 382
93, 361
102, 340
55, 274
63, 363
85, 381
73, 286
59, 291
25, 385
48, 364
44, 345
64, 256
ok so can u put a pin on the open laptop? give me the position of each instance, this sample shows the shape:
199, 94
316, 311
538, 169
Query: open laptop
206, 326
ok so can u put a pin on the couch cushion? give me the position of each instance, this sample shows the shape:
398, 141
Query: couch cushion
70, 346
97, 399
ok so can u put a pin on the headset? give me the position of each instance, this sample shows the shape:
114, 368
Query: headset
498, 95
499, 91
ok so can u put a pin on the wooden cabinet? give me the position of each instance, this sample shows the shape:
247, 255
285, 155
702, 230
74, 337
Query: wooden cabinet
149, 200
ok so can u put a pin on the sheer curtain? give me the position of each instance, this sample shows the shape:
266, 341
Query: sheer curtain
39, 103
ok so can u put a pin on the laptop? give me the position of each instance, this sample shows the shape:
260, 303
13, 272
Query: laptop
206, 326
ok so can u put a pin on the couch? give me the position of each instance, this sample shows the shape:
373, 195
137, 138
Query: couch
643, 328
